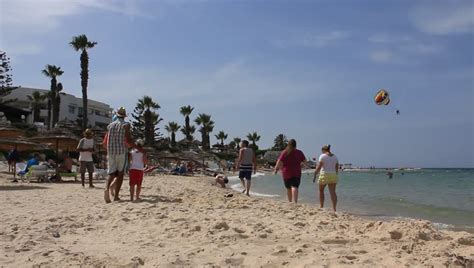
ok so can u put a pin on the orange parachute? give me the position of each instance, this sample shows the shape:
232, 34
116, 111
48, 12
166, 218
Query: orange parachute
382, 97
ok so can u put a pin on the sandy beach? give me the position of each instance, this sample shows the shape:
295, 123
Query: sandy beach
184, 221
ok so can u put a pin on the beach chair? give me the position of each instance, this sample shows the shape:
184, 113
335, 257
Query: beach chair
100, 174
40, 172
72, 174
20, 170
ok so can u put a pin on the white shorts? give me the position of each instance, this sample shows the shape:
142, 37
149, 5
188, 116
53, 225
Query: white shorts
116, 163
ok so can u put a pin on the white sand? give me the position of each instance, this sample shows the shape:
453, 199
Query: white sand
183, 221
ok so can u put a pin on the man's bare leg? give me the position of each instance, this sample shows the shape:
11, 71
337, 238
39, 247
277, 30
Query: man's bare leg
247, 186
118, 185
107, 187
90, 180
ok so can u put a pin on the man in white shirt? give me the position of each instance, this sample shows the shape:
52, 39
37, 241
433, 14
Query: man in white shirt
86, 149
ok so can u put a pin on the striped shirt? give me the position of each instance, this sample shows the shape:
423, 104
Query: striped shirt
116, 134
246, 163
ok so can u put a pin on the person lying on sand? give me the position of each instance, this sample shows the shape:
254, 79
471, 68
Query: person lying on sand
221, 180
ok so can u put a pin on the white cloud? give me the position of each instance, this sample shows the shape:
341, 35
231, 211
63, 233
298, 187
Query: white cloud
446, 17
381, 56
24, 21
230, 85
316, 40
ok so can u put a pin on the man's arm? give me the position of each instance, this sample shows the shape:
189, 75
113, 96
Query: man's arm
237, 164
254, 160
128, 136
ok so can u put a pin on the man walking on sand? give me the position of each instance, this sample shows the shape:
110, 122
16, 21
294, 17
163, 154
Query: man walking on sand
246, 163
118, 140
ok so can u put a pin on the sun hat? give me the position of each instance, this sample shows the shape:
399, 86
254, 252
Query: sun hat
121, 112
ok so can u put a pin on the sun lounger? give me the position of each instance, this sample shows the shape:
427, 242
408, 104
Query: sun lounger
40, 172
72, 174
100, 174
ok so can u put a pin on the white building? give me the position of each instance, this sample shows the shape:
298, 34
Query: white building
99, 114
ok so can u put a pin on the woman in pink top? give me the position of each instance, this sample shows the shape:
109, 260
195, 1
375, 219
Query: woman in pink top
290, 162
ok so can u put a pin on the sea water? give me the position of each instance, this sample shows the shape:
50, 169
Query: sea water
443, 196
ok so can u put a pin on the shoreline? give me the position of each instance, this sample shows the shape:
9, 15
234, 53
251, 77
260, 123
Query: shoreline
184, 221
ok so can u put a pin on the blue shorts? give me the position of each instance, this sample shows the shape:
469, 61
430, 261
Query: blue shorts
247, 174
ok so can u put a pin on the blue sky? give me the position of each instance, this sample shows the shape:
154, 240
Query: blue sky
308, 69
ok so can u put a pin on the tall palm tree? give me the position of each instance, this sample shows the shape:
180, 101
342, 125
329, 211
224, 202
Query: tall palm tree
57, 103
172, 128
221, 136
188, 130
81, 43
237, 142
253, 137
52, 71
280, 142
36, 99
207, 126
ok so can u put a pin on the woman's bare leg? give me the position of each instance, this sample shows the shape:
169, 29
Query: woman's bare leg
321, 195
332, 192
294, 192
290, 196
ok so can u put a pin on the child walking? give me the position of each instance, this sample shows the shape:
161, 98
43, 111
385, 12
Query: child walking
138, 161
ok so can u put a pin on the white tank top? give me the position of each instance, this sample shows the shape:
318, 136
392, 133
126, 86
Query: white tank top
137, 160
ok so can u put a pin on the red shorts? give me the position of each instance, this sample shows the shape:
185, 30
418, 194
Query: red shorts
136, 177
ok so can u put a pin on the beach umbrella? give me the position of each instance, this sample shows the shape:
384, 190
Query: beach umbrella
20, 145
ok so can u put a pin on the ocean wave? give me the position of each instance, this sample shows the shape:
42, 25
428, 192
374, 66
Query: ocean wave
238, 188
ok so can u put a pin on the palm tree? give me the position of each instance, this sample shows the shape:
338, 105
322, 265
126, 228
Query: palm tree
146, 119
52, 71
57, 103
280, 142
172, 128
253, 137
237, 142
221, 136
36, 99
81, 43
207, 126
188, 130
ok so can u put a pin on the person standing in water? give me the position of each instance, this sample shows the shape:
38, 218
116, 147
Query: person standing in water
290, 163
329, 167
246, 163
118, 140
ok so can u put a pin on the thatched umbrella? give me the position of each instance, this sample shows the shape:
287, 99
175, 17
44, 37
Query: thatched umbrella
20, 145
58, 139
10, 132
